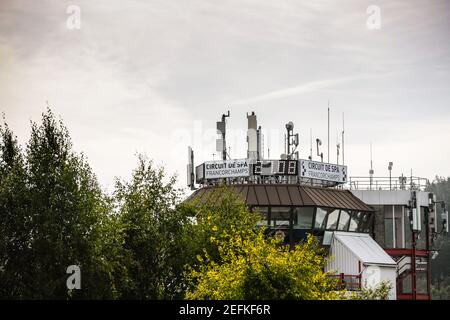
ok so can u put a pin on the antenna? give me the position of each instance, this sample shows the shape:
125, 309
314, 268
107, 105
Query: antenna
343, 131
310, 145
371, 172
221, 145
262, 145
253, 137
328, 131
190, 169
319, 143
338, 146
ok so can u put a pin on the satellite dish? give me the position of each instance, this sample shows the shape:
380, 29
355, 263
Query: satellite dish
290, 125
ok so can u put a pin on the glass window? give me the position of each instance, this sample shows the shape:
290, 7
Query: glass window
264, 211
364, 222
321, 215
332, 220
393, 227
422, 276
407, 228
422, 237
399, 229
388, 229
422, 283
354, 221
343, 221
406, 284
304, 217
280, 216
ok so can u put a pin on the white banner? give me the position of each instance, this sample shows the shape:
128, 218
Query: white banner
323, 171
227, 169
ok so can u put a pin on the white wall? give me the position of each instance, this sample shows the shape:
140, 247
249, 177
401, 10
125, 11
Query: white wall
390, 197
373, 275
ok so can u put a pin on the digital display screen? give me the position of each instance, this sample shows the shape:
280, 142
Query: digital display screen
276, 168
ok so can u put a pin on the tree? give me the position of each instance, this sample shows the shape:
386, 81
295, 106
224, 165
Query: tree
379, 292
153, 233
214, 215
55, 216
15, 224
440, 266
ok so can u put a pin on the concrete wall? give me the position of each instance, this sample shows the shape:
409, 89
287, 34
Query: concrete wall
390, 197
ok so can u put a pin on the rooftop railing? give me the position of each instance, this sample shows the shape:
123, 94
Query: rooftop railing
387, 183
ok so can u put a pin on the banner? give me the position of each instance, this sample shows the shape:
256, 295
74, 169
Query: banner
323, 171
226, 169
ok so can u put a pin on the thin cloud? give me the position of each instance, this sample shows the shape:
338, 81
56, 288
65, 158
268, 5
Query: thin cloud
297, 90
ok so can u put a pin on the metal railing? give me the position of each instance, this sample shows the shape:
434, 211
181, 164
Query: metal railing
349, 281
388, 183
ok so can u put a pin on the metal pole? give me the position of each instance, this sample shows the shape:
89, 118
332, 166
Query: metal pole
394, 243
224, 148
390, 179
343, 130
413, 265
328, 131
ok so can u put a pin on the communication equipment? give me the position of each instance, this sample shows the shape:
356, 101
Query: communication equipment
319, 143
432, 212
415, 217
221, 145
190, 169
444, 217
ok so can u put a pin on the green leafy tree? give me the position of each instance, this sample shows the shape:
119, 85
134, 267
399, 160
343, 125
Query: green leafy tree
15, 222
55, 216
220, 211
440, 266
379, 292
153, 233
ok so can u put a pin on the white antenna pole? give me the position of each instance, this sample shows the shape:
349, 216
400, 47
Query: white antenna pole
311, 143
262, 147
371, 159
343, 130
328, 131
371, 167
337, 147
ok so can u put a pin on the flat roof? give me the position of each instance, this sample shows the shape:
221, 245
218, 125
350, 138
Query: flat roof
291, 195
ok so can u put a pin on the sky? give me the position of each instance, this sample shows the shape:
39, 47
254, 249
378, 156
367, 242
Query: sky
154, 76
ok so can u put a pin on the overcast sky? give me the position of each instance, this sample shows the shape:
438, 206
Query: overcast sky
153, 76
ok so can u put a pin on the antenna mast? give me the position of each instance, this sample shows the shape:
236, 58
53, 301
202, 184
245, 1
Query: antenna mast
343, 131
221, 145
338, 146
328, 131
371, 172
